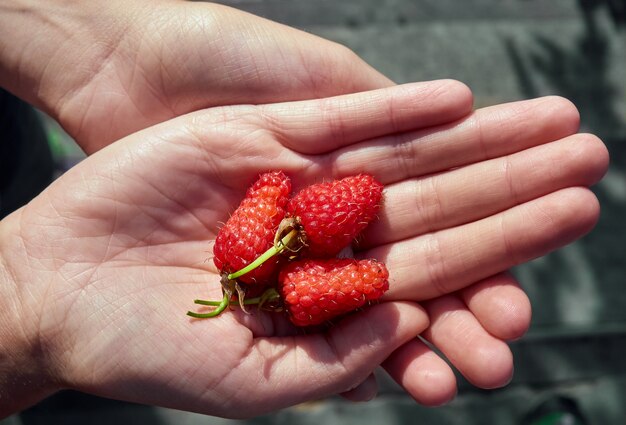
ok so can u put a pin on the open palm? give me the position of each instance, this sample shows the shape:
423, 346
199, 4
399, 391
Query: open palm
118, 246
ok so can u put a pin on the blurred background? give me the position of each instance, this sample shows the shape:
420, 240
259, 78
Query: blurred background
571, 366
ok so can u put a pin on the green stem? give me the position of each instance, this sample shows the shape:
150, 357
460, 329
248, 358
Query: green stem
274, 250
248, 301
269, 295
221, 306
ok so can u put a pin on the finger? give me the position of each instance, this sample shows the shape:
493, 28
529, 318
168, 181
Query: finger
487, 133
422, 373
319, 126
311, 366
430, 265
365, 391
470, 193
484, 360
500, 305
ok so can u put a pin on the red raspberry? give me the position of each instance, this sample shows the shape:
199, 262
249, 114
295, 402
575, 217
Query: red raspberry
316, 290
332, 214
250, 230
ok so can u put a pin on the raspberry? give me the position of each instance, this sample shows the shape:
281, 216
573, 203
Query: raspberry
251, 229
319, 221
332, 214
316, 290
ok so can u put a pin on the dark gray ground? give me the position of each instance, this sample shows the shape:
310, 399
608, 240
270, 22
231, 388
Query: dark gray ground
504, 50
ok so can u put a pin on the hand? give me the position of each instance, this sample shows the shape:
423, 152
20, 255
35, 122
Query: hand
107, 69
106, 261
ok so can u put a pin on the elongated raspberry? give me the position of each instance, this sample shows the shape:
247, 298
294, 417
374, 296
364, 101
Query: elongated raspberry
316, 290
332, 214
251, 229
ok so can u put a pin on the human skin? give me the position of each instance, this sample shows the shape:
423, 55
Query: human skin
100, 268
106, 69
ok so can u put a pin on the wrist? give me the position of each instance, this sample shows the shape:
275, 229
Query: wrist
24, 371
